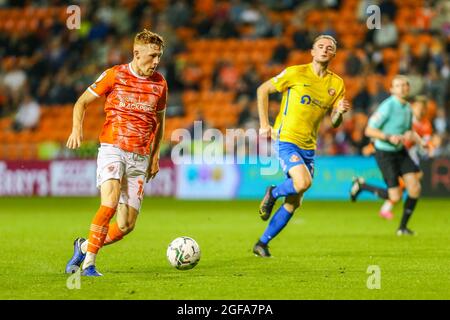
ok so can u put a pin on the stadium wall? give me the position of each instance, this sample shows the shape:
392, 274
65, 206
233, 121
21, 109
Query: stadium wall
332, 178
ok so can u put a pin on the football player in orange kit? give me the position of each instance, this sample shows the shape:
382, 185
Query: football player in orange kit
129, 144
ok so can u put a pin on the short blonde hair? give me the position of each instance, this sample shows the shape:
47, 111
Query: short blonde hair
400, 77
325, 36
148, 37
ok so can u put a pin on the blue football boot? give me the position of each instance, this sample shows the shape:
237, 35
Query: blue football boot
78, 256
91, 272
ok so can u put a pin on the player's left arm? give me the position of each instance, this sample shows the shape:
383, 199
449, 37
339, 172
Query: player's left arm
338, 112
340, 106
153, 167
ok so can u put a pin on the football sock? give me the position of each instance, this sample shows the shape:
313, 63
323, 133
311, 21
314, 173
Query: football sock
114, 234
99, 228
408, 209
89, 260
286, 188
276, 224
84, 246
387, 206
380, 192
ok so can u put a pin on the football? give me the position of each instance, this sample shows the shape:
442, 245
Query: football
183, 253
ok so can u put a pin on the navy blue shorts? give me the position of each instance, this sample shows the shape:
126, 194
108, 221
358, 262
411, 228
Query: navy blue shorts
290, 155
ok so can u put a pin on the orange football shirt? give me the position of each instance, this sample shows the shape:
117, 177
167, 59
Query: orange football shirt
131, 107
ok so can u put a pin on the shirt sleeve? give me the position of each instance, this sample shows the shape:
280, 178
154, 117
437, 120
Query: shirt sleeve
283, 81
162, 101
380, 116
104, 83
339, 97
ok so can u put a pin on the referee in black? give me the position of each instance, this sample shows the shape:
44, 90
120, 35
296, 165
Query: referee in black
390, 126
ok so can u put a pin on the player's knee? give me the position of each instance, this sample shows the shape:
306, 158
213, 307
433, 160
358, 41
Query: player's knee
414, 191
301, 185
291, 207
126, 227
394, 198
111, 199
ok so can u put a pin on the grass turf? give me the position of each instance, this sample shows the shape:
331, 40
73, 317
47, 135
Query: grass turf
324, 252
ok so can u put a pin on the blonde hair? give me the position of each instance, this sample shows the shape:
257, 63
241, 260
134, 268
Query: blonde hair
325, 36
400, 77
148, 37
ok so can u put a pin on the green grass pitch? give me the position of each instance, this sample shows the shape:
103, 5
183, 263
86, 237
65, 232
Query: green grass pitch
324, 252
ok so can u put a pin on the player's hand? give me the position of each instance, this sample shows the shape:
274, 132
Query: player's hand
153, 168
75, 139
265, 132
343, 106
396, 139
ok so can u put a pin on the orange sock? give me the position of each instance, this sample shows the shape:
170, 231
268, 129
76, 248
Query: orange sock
114, 234
99, 228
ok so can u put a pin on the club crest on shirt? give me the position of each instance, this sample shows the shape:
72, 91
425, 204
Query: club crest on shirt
155, 89
331, 92
294, 158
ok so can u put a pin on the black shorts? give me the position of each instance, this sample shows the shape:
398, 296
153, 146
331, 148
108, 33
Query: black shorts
394, 164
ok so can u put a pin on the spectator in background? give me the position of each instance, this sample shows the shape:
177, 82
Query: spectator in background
422, 60
178, 13
353, 64
331, 4
375, 58
225, 76
280, 53
301, 37
436, 86
358, 139
248, 83
28, 113
236, 9
405, 59
361, 9
441, 22
223, 28
62, 91
15, 77
328, 29
389, 8
387, 36
191, 76
5, 106
424, 16
361, 101
379, 96
416, 81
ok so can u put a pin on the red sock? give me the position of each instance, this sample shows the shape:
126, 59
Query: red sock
99, 228
114, 234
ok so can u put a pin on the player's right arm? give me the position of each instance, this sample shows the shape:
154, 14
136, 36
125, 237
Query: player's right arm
376, 121
76, 136
102, 86
263, 107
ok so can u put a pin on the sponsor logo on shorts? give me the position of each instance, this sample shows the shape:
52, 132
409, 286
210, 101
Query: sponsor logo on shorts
331, 92
111, 168
294, 158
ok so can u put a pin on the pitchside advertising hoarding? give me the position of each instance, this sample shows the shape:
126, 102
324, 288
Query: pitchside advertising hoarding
332, 178
69, 178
